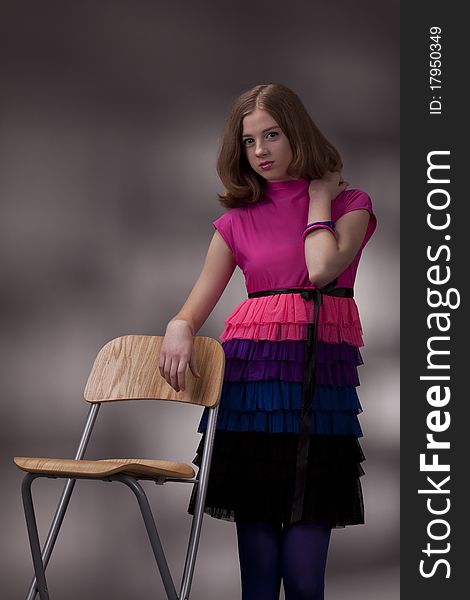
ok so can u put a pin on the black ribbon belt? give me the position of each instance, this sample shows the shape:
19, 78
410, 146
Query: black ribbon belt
308, 384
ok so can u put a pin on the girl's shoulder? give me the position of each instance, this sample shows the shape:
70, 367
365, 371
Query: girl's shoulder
352, 199
225, 226
231, 223
233, 215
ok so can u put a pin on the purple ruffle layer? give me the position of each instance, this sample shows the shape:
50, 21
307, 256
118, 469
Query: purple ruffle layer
264, 360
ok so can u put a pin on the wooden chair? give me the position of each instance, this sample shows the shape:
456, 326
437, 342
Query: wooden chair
126, 368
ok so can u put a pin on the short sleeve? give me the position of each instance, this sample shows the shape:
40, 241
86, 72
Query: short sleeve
357, 200
224, 226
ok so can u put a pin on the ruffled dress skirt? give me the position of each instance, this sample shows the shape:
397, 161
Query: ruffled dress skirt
253, 464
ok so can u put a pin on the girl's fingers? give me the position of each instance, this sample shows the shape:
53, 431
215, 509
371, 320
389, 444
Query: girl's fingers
181, 373
173, 375
173, 371
161, 365
164, 368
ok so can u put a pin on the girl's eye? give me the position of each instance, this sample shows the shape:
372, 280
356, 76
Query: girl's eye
249, 141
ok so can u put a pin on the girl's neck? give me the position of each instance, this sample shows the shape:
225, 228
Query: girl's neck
286, 184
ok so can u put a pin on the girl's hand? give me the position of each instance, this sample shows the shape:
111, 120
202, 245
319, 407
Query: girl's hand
176, 353
331, 184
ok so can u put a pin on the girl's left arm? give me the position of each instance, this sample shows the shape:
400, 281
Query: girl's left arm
328, 255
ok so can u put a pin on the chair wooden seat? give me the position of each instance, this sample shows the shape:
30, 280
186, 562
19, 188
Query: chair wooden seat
104, 467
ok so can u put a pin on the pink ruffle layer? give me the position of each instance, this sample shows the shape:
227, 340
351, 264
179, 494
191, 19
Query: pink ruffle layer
286, 316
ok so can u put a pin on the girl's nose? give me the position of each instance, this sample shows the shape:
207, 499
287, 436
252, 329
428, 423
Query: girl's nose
260, 148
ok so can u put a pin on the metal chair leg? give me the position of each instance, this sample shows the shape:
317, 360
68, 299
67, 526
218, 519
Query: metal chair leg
149, 521
64, 498
203, 480
193, 544
33, 536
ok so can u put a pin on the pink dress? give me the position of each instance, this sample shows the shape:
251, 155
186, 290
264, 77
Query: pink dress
264, 338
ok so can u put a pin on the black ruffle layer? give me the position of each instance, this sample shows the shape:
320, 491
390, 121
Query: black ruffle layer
252, 478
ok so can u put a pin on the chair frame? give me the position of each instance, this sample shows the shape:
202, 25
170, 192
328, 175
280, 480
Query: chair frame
41, 557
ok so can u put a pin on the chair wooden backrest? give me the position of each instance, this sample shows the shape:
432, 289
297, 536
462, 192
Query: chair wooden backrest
126, 368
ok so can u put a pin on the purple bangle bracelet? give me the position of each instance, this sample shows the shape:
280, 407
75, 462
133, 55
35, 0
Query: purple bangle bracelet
330, 223
316, 226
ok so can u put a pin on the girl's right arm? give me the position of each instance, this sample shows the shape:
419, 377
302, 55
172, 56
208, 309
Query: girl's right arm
176, 351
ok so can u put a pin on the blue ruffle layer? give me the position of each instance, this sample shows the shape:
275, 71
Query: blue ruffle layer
275, 406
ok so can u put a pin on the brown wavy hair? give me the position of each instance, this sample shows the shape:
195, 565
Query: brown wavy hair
313, 154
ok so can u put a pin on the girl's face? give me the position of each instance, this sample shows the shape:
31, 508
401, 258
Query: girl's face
266, 146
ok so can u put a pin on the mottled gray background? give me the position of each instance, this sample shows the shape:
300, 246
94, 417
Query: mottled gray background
111, 116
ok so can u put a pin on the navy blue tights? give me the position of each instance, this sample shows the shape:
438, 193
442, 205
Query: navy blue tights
297, 554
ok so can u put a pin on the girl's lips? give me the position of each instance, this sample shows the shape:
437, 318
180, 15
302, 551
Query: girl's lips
266, 165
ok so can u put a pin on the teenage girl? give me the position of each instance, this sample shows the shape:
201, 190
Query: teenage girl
286, 462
